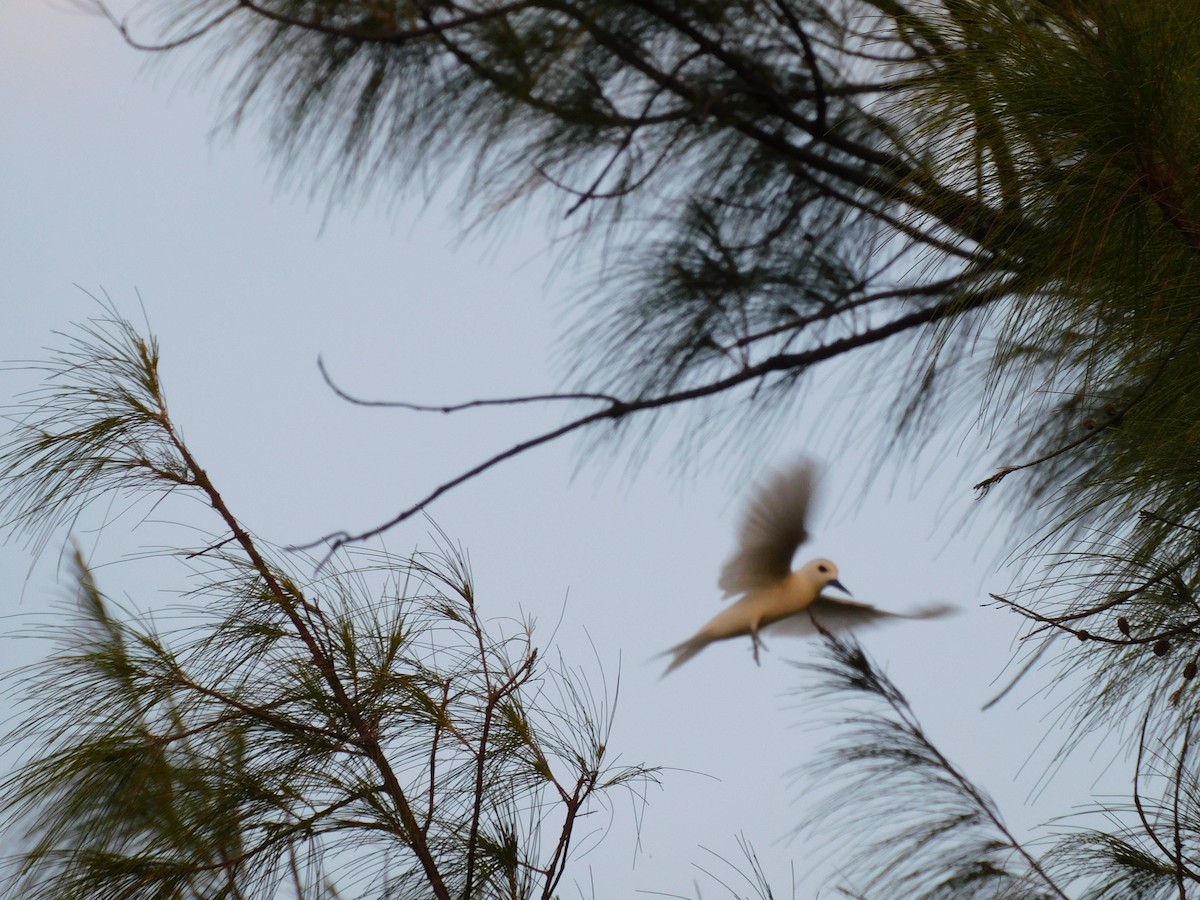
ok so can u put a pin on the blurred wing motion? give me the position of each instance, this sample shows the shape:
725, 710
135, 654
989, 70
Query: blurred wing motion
840, 615
772, 529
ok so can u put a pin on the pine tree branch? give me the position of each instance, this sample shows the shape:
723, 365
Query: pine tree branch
618, 410
496, 694
1059, 623
1114, 417
1178, 840
897, 747
343, 394
366, 736
885, 175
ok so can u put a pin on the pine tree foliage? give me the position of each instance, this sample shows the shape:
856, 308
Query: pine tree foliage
920, 828
989, 205
362, 732
997, 192
932, 834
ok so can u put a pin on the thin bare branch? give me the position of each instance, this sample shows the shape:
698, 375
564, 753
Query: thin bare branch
343, 394
618, 410
122, 28
1060, 623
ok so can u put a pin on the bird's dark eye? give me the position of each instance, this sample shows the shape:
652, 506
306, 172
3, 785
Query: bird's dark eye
822, 568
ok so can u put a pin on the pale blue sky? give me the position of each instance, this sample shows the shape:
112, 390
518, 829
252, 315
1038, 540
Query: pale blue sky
110, 179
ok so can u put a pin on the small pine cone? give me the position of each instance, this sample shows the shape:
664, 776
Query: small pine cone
1123, 625
1162, 647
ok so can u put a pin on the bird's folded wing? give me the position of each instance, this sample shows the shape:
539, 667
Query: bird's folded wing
840, 615
772, 529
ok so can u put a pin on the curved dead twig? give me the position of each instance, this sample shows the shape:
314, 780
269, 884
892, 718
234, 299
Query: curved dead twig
992, 480
617, 409
122, 27
343, 394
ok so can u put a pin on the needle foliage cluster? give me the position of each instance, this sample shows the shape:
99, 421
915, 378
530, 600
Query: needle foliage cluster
363, 731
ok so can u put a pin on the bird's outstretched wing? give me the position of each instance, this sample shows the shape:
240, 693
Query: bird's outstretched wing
772, 528
841, 615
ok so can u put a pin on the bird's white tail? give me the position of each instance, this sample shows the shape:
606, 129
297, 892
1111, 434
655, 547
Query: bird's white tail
685, 651
928, 612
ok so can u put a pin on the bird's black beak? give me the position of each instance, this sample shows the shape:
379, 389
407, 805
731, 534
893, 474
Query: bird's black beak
841, 587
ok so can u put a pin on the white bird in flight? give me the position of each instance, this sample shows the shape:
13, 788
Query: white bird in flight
772, 593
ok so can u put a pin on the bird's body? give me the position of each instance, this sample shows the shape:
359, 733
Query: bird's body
768, 604
761, 607
772, 594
